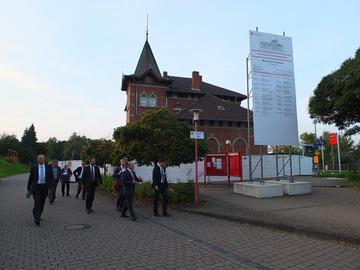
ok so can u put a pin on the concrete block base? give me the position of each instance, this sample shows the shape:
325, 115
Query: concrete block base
257, 190
296, 188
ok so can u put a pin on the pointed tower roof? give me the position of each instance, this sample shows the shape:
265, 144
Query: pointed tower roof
147, 62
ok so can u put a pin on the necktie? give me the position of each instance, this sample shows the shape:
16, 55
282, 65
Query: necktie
42, 174
93, 173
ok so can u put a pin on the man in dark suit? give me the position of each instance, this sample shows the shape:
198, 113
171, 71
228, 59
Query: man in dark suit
160, 186
116, 176
54, 182
92, 179
66, 174
128, 179
40, 177
78, 173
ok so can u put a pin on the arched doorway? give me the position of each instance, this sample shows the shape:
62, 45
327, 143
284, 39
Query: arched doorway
239, 145
214, 145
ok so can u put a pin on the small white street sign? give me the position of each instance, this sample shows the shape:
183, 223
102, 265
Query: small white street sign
197, 135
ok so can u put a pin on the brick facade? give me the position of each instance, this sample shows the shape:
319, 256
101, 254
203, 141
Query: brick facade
222, 117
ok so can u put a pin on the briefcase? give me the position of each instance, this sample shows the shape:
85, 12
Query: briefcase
28, 194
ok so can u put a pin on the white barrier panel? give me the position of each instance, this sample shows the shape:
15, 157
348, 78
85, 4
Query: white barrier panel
301, 166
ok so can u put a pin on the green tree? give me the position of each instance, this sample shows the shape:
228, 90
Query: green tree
8, 142
336, 99
307, 138
74, 146
28, 151
100, 149
55, 148
157, 135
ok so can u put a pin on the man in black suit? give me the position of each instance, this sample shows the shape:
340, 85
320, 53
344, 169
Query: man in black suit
66, 174
160, 186
78, 173
117, 178
54, 182
128, 179
92, 179
40, 177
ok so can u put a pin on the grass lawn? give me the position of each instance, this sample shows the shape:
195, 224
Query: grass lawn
9, 168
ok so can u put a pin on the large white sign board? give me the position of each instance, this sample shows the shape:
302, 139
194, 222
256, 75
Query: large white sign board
273, 90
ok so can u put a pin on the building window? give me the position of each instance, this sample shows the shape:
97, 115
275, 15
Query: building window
177, 108
152, 101
148, 101
143, 99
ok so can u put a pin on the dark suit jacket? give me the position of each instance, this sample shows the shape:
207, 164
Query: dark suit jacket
126, 180
34, 176
87, 175
77, 173
58, 176
156, 177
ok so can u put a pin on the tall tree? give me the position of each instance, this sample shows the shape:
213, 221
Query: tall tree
157, 135
28, 149
336, 99
74, 146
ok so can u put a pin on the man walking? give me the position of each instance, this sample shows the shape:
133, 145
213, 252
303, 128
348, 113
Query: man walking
40, 177
160, 186
78, 173
66, 173
56, 170
116, 176
92, 179
128, 180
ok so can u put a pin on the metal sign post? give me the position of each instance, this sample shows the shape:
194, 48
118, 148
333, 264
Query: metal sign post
338, 150
248, 117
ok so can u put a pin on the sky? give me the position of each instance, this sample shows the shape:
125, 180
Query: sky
61, 62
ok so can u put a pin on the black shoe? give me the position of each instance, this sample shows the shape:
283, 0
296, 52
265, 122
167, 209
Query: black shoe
76, 196
88, 211
166, 215
134, 218
68, 195
37, 222
125, 216
83, 199
156, 215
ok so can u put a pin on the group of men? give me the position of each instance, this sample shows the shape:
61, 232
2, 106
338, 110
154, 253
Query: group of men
44, 178
125, 179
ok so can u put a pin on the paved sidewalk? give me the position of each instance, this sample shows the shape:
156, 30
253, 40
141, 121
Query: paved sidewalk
183, 241
329, 212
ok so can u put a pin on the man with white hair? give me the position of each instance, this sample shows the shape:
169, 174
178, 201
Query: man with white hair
40, 177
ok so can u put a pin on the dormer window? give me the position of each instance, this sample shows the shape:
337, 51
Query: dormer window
177, 108
221, 108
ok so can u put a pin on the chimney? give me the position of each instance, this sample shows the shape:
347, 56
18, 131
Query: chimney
196, 80
165, 74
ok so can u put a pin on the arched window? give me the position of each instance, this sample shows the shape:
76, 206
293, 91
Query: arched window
152, 101
143, 99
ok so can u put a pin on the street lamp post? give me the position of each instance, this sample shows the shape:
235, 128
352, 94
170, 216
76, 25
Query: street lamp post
196, 113
228, 142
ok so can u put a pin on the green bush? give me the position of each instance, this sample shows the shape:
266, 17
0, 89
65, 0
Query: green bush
332, 174
354, 178
182, 192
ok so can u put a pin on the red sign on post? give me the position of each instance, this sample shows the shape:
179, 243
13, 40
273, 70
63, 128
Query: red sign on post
332, 138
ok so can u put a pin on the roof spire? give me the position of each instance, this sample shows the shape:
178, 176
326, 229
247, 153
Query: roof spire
147, 26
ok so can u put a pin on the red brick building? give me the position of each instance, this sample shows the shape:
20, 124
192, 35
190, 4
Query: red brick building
222, 117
